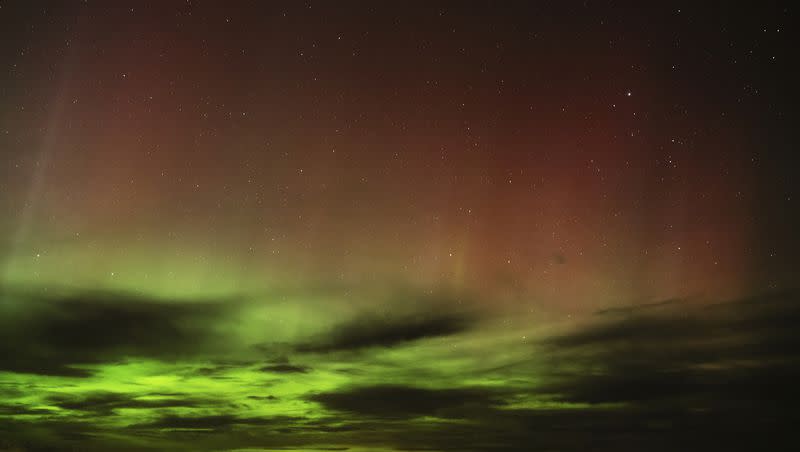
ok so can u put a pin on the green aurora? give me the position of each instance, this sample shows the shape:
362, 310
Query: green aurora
280, 371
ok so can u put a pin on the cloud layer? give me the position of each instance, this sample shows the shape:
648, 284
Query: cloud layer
668, 376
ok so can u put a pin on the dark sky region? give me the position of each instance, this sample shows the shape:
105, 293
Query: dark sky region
393, 226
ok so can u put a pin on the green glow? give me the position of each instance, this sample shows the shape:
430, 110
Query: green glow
118, 399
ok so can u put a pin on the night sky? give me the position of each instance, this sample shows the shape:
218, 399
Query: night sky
389, 226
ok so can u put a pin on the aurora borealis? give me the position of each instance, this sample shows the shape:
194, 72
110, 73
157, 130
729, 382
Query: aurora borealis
392, 226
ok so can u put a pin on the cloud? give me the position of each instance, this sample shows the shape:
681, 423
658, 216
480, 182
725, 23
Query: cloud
632, 309
374, 331
54, 335
731, 357
212, 422
396, 401
106, 403
671, 377
285, 369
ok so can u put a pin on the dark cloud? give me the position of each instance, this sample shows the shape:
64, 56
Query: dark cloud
395, 401
387, 331
51, 434
54, 335
735, 356
105, 403
286, 369
17, 409
214, 422
639, 307
255, 397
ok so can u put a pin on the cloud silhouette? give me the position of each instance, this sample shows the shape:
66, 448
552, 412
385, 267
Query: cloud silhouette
105, 403
727, 356
396, 401
373, 331
53, 335
286, 369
